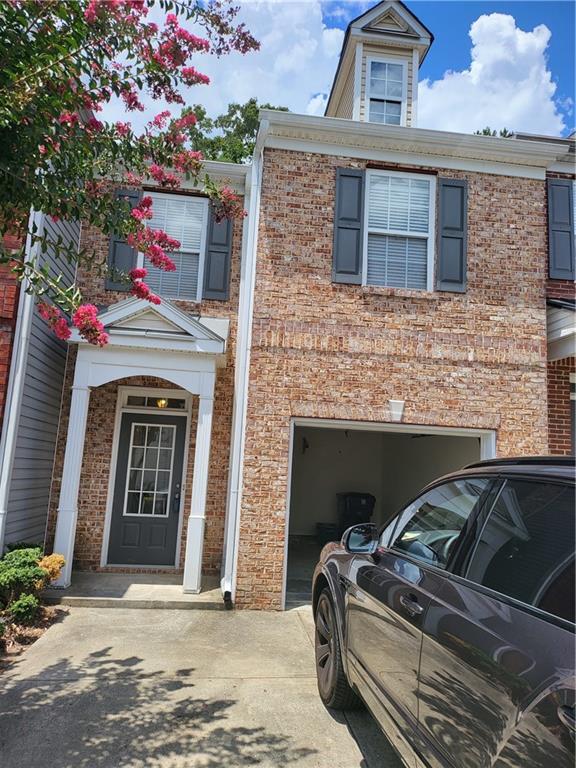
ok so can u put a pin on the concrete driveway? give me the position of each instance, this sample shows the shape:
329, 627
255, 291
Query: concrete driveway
117, 688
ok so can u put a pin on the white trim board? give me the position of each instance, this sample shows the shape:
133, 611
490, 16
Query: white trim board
487, 451
405, 158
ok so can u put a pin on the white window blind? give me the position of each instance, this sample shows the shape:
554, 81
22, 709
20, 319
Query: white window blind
398, 231
184, 218
386, 92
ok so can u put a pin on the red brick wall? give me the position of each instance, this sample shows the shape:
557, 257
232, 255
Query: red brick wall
96, 465
559, 407
337, 351
9, 290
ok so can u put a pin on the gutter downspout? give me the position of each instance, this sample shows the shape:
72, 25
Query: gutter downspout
18, 360
242, 370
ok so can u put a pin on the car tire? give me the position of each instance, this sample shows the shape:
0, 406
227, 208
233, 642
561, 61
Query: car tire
333, 686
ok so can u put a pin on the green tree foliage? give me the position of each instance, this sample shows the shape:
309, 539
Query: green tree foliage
504, 133
229, 137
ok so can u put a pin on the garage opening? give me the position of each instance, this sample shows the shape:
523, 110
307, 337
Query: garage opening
342, 476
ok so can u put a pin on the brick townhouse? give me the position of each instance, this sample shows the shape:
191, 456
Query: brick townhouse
398, 302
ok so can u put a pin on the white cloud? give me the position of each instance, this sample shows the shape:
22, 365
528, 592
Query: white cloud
317, 104
293, 68
508, 83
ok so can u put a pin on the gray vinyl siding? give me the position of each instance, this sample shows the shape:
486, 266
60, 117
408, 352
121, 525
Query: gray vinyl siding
33, 462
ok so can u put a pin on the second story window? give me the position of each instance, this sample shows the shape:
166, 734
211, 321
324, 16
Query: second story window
398, 230
386, 92
186, 219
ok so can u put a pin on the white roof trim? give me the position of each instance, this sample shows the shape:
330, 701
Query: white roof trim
182, 332
365, 137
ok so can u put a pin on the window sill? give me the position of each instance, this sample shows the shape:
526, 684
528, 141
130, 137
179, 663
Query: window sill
402, 293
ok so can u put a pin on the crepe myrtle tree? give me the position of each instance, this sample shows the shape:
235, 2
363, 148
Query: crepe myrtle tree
61, 62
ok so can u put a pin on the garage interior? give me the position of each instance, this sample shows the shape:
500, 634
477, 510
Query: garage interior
342, 476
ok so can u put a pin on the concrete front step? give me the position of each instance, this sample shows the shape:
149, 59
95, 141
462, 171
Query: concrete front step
119, 590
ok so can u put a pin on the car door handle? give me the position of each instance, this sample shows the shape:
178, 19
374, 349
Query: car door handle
567, 716
411, 605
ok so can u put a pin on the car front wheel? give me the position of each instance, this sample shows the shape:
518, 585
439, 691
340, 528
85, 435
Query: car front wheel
333, 686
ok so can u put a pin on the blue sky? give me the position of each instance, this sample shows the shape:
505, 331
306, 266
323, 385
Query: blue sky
503, 64
450, 22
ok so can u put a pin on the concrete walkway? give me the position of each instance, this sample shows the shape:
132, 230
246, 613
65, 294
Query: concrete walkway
115, 688
140, 590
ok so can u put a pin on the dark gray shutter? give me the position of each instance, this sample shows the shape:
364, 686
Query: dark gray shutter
561, 229
452, 235
121, 257
218, 257
348, 226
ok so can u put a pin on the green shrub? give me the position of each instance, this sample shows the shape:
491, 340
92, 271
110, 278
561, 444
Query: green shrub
24, 609
23, 556
20, 573
22, 545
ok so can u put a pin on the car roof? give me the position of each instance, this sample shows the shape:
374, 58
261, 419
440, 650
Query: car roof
535, 467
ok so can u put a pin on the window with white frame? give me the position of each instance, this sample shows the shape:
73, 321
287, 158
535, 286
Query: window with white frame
386, 91
186, 219
399, 237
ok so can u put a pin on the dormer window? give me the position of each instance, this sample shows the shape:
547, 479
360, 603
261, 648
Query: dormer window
386, 91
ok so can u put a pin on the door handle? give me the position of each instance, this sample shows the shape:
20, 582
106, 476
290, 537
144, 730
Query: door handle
411, 605
567, 717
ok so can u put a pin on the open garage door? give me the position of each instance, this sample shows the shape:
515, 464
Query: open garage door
343, 475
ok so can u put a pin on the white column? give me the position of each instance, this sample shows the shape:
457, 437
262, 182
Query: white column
196, 521
68, 503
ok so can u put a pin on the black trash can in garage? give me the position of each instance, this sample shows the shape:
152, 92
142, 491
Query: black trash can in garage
354, 508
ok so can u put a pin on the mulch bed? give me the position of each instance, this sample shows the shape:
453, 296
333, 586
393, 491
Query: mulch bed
18, 637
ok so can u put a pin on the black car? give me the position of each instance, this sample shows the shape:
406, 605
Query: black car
454, 622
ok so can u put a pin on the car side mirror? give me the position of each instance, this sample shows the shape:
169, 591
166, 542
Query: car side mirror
361, 539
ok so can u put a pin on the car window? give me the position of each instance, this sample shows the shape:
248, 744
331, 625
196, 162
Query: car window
429, 528
526, 549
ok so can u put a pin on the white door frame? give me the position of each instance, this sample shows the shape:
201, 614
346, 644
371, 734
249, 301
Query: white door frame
122, 408
487, 451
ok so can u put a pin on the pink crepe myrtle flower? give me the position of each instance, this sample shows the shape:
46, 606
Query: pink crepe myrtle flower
85, 319
123, 129
68, 118
159, 121
138, 273
142, 291
55, 319
191, 76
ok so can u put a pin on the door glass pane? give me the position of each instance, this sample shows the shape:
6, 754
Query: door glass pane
135, 480
139, 434
151, 458
526, 549
149, 470
430, 527
164, 459
153, 436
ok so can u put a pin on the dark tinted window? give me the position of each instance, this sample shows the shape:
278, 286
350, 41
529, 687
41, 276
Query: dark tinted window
526, 549
429, 528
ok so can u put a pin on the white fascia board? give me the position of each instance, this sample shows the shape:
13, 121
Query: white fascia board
233, 174
161, 341
405, 158
355, 136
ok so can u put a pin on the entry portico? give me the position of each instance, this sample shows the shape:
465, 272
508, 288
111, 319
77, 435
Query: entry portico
145, 341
